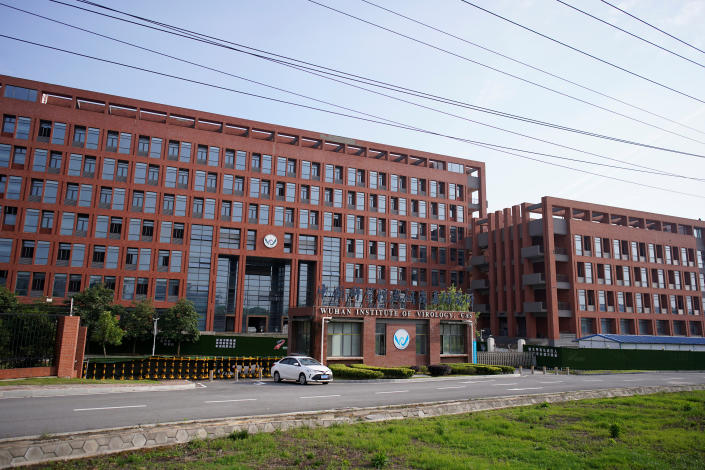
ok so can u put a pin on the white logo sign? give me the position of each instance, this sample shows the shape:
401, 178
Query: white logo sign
270, 241
401, 339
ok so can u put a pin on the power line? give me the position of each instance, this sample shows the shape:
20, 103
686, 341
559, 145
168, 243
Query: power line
532, 67
630, 33
587, 54
496, 148
654, 170
308, 67
652, 26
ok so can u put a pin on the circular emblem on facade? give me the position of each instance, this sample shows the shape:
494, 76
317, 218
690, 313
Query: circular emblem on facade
270, 240
401, 339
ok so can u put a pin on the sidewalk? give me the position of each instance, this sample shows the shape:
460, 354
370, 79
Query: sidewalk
34, 391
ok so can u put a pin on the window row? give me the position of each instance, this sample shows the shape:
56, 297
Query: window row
598, 247
588, 326
36, 284
597, 273
637, 302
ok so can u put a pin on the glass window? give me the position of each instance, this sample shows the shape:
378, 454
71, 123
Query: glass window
31, 221
155, 150
59, 135
344, 339
452, 338
78, 254
380, 338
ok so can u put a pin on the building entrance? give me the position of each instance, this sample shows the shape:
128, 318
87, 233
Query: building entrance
266, 295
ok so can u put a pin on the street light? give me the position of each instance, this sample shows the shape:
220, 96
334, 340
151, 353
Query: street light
154, 340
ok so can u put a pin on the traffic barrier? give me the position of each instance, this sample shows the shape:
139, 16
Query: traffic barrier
175, 368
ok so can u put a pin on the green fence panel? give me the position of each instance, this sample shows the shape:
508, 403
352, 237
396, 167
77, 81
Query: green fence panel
617, 359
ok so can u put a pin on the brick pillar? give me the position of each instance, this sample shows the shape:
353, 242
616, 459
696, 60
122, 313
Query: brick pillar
80, 351
67, 336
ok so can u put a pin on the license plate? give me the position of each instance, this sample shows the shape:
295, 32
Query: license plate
324, 376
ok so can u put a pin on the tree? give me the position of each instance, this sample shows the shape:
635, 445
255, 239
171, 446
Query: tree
8, 301
452, 299
91, 303
137, 322
107, 331
180, 324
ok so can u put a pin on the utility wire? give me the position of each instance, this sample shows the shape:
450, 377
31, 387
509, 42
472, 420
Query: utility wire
630, 33
307, 66
587, 54
532, 67
496, 148
652, 26
654, 170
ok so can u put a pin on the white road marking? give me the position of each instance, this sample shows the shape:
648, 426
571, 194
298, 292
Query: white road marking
633, 380
593, 380
675, 382
502, 385
448, 388
526, 388
391, 391
477, 381
230, 401
201, 385
322, 396
110, 408
552, 382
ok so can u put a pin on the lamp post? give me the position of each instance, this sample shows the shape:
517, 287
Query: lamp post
154, 340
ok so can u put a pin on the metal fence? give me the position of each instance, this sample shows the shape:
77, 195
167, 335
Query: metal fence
162, 368
27, 340
507, 358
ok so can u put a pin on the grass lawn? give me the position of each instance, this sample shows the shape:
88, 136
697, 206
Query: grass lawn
60, 381
663, 431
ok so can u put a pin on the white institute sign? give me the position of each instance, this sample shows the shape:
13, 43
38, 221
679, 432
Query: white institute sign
401, 338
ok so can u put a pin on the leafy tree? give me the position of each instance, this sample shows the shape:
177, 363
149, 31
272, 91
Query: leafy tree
180, 324
91, 303
8, 301
452, 299
107, 331
137, 322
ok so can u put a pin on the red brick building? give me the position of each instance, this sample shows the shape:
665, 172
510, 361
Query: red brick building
559, 269
246, 219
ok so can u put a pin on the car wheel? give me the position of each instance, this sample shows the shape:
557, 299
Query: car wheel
302, 379
277, 378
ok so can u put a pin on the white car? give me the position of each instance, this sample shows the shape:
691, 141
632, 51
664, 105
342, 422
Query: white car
302, 369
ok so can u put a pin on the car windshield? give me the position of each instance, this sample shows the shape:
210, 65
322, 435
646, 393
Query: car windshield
307, 361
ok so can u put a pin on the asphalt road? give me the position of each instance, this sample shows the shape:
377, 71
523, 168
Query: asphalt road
218, 399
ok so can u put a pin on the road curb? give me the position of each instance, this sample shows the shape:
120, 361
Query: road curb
20, 451
428, 379
89, 390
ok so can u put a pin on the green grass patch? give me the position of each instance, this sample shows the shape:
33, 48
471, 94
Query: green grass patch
60, 381
646, 432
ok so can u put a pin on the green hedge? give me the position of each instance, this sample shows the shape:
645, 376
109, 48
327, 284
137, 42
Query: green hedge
463, 369
617, 359
341, 371
389, 372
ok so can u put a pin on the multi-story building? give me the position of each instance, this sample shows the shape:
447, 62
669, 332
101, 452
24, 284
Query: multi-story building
246, 219
553, 270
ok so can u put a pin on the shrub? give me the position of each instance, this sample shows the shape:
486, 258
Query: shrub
439, 369
507, 369
615, 431
380, 460
342, 371
237, 435
483, 369
462, 369
389, 372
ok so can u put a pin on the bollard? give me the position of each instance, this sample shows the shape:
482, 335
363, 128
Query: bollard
210, 375
555, 370
567, 371
260, 374
521, 369
532, 370
544, 370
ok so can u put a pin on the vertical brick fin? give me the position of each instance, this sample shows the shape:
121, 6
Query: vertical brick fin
67, 337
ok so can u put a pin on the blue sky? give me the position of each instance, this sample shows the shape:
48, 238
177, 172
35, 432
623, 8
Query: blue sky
303, 30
